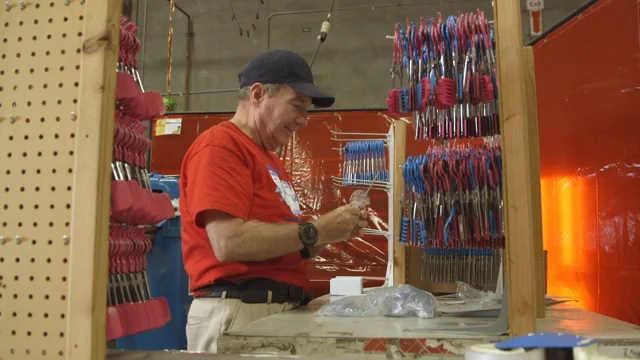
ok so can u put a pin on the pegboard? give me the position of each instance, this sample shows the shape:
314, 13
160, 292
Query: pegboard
57, 88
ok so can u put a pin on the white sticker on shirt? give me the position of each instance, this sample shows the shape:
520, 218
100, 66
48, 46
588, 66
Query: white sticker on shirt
286, 192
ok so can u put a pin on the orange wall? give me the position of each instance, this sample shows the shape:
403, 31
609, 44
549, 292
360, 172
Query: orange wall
587, 79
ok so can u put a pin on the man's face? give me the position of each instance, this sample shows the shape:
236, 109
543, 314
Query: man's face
279, 116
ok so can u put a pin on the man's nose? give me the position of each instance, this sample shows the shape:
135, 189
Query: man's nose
302, 120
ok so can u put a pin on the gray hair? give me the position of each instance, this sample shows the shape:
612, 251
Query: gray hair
270, 89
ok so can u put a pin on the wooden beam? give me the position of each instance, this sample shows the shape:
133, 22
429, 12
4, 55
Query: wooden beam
88, 263
534, 156
400, 156
520, 264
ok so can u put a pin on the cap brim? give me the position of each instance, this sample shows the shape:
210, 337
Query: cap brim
318, 97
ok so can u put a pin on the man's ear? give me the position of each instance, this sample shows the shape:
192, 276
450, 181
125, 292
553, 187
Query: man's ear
256, 94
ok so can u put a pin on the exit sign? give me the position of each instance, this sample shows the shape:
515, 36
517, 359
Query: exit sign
535, 5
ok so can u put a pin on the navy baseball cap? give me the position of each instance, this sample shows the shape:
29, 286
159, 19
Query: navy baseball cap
284, 67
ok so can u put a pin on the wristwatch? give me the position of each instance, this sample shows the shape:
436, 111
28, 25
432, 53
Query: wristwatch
309, 236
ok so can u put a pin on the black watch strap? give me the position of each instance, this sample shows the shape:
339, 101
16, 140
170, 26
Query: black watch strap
305, 253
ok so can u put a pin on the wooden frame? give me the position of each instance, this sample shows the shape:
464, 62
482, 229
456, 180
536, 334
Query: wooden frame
521, 164
56, 131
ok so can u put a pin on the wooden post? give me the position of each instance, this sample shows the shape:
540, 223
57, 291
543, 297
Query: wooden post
519, 264
534, 155
400, 157
91, 199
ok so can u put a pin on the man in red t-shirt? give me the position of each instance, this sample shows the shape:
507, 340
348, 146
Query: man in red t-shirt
244, 246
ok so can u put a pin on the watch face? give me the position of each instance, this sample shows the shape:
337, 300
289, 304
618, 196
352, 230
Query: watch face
309, 234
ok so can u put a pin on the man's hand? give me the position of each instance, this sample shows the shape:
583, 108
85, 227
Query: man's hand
340, 224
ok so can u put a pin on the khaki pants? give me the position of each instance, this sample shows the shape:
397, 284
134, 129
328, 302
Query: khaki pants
210, 317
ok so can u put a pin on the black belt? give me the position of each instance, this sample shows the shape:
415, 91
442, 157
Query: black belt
256, 291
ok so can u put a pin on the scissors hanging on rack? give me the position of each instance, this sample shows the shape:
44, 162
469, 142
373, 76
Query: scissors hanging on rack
450, 71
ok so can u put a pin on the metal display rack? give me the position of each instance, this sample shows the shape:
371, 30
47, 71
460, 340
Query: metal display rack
371, 182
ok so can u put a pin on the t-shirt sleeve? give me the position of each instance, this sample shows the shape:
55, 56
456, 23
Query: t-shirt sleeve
218, 179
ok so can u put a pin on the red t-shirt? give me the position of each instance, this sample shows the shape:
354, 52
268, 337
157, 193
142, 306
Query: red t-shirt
224, 169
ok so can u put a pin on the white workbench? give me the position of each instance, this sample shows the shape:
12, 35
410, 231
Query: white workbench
301, 332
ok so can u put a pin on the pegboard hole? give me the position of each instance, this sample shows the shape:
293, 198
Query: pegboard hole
28, 333
29, 314
14, 314
64, 279
33, 242
63, 298
31, 278
13, 332
28, 351
81, 18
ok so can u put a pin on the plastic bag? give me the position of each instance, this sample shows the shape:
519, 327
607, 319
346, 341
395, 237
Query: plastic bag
396, 301
474, 297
